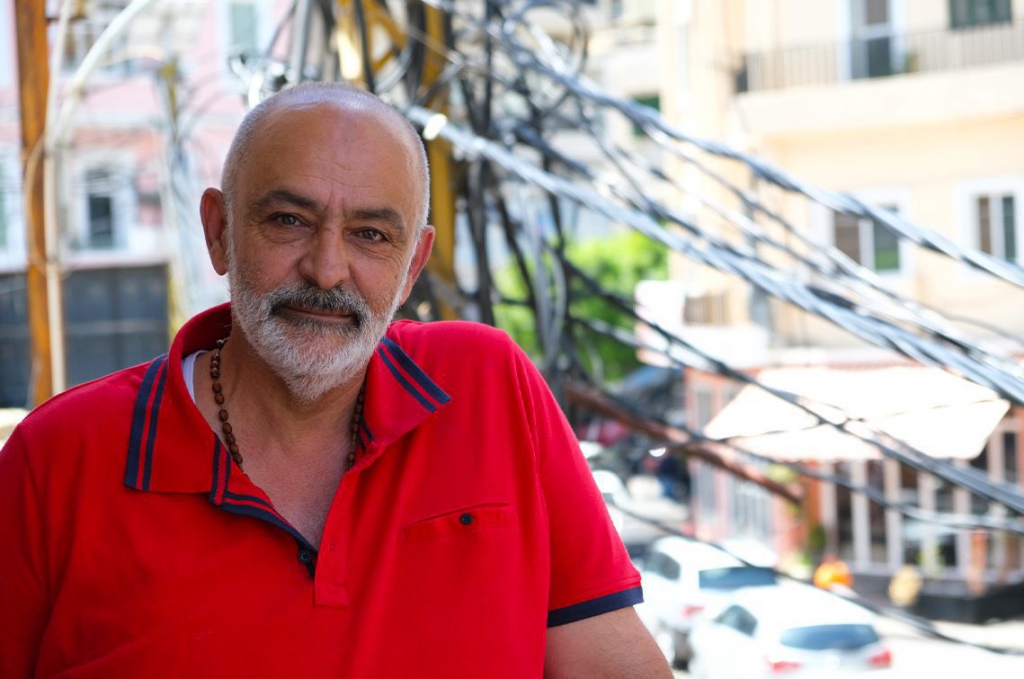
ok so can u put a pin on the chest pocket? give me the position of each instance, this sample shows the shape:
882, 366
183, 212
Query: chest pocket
473, 522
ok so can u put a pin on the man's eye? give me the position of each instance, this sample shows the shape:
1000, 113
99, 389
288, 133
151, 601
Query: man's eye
371, 235
286, 220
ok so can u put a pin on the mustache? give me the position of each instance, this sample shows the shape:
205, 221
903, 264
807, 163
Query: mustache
335, 300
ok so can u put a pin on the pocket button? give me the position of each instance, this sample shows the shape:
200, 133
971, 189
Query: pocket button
466, 519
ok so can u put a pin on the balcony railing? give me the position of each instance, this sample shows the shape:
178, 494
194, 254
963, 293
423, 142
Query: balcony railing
882, 56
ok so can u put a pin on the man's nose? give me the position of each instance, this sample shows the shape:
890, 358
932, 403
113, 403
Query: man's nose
326, 262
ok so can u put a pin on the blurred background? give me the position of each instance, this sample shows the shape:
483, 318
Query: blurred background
765, 251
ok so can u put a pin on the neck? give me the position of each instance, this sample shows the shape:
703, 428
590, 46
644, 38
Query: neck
270, 423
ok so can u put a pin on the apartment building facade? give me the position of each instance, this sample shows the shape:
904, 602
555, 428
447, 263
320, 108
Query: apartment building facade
148, 133
915, 106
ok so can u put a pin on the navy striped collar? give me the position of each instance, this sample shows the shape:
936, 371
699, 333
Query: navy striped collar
171, 448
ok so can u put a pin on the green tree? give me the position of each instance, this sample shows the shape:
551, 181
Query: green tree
618, 263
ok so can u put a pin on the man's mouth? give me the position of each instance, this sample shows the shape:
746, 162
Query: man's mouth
318, 312
324, 310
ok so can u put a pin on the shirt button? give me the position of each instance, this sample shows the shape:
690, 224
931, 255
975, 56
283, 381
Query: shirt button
466, 519
305, 556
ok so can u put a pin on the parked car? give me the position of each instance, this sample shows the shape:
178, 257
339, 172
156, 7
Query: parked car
791, 630
681, 578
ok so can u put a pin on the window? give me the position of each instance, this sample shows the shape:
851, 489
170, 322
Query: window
970, 13
5, 220
12, 230
871, 45
866, 242
739, 619
989, 214
995, 220
1010, 469
104, 205
7, 64
876, 11
243, 34
664, 566
99, 213
702, 407
735, 577
707, 493
708, 309
243, 27
829, 637
82, 33
650, 101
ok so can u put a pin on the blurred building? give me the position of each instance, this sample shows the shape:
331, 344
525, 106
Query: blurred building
147, 135
915, 106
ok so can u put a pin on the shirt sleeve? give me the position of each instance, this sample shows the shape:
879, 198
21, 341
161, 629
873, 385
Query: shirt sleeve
23, 593
591, 572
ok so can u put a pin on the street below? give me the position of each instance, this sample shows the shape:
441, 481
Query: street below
919, 657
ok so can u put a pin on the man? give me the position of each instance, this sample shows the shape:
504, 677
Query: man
298, 488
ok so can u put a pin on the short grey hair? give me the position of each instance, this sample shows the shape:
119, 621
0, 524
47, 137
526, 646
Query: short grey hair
312, 93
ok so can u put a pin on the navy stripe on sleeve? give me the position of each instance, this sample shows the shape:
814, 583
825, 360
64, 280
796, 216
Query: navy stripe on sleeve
588, 609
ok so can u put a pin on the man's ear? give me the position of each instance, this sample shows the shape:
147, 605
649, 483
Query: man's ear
215, 226
424, 246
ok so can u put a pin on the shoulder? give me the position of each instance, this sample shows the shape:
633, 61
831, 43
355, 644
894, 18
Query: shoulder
453, 341
461, 332
464, 353
101, 405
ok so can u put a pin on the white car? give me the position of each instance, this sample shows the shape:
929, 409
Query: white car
792, 630
681, 578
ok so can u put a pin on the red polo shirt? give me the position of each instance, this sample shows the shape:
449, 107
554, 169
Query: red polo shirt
133, 546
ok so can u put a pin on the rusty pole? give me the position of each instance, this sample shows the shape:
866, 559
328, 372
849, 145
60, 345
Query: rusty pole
33, 81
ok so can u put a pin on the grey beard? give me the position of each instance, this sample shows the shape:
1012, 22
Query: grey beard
311, 357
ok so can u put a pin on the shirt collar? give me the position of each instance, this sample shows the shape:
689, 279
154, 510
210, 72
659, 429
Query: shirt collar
172, 449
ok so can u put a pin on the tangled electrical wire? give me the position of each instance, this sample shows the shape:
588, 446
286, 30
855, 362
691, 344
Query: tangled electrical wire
516, 87
496, 87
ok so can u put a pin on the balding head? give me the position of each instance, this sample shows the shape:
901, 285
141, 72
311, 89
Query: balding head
344, 97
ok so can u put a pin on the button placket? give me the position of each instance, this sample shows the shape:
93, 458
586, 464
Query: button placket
331, 588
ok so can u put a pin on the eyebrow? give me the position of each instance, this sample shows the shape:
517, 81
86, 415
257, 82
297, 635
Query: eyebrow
383, 214
279, 196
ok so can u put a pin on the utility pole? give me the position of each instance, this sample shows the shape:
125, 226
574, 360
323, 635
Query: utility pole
442, 166
33, 79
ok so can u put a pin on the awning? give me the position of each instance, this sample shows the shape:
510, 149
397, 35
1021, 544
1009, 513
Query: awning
931, 410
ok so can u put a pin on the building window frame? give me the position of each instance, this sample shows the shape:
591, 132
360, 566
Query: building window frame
225, 40
12, 238
848, 30
967, 14
896, 197
968, 211
83, 33
117, 187
650, 100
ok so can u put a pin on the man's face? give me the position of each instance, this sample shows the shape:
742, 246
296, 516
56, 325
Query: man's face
323, 244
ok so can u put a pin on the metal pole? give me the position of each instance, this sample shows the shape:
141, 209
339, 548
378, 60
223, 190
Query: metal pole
33, 81
442, 166
300, 41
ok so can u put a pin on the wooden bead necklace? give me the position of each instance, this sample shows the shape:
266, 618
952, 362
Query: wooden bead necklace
225, 425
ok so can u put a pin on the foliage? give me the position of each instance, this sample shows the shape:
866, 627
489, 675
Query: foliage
618, 263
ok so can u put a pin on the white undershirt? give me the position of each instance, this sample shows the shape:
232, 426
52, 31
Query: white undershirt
188, 371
